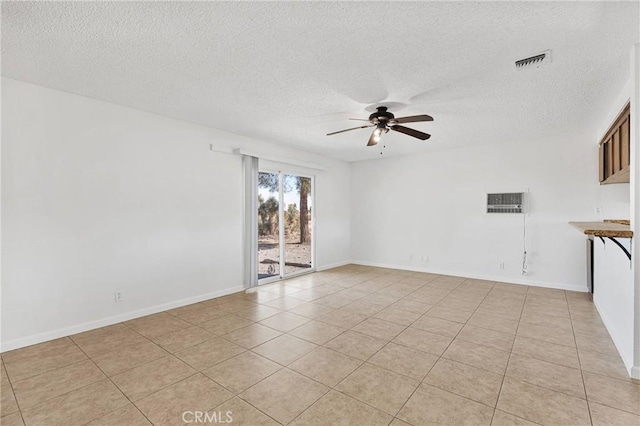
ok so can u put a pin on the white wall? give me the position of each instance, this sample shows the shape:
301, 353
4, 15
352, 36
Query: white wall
433, 205
617, 297
613, 293
97, 198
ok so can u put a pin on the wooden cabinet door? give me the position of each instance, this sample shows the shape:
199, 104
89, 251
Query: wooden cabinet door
615, 147
609, 157
625, 147
614, 155
601, 176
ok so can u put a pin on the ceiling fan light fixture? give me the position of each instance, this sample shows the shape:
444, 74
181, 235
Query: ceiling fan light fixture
377, 133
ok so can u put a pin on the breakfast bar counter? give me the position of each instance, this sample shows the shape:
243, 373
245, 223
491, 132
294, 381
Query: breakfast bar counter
608, 228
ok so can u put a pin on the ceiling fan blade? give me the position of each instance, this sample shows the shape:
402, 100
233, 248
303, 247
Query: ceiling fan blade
372, 139
359, 119
411, 132
413, 119
353, 128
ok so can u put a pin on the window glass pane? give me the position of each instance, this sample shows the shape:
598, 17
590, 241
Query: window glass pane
297, 223
268, 230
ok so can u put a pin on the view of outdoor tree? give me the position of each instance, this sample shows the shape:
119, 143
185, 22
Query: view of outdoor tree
268, 215
292, 219
268, 209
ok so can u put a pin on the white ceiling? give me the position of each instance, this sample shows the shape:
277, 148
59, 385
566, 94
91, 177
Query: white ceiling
290, 72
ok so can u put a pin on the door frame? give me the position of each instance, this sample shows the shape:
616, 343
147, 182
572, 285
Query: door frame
281, 235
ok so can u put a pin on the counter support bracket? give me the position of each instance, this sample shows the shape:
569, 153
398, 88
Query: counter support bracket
623, 248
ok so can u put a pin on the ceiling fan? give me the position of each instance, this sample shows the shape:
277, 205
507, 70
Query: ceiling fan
383, 121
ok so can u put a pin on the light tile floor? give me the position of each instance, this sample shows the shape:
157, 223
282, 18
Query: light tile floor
352, 346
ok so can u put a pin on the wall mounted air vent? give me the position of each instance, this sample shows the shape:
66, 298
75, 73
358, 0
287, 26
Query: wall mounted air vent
535, 61
508, 202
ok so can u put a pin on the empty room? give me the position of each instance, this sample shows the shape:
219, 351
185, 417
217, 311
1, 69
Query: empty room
320, 213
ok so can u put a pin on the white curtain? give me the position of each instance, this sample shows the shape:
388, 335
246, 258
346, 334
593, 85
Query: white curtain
250, 169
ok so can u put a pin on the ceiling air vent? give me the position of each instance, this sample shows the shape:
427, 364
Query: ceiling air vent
508, 202
535, 61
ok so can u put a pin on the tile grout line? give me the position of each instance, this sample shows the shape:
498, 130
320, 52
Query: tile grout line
561, 365
180, 381
116, 386
237, 395
56, 396
87, 358
337, 384
13, 392
280, 369
385, 345
584, 385
209, 378
582, 371
457, 334
440, 356
506, 368
453, 393
362, 362
148, 362
48, 371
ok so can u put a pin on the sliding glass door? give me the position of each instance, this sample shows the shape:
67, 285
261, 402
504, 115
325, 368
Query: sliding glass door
285, 225
268, 225
297, 224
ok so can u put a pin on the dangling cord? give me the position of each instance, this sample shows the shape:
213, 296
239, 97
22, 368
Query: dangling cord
524, 244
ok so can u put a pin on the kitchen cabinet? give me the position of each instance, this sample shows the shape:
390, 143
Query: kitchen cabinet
615, 150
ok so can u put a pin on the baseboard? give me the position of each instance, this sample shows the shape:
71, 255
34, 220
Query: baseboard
92, 325
521, 281
333, 265
626, 359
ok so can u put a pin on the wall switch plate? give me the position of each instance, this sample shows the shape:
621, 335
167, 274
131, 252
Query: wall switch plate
118, 296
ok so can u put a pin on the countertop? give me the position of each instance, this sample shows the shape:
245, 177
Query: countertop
620, 221
607, 228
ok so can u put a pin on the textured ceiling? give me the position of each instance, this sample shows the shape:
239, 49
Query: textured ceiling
290, 72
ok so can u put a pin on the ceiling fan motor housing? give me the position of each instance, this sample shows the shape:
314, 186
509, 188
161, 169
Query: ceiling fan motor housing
381, 115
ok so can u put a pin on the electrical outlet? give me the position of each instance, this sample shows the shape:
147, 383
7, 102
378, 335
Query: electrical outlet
118, 296
425, 258
411, 257
502, 265
597, 210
